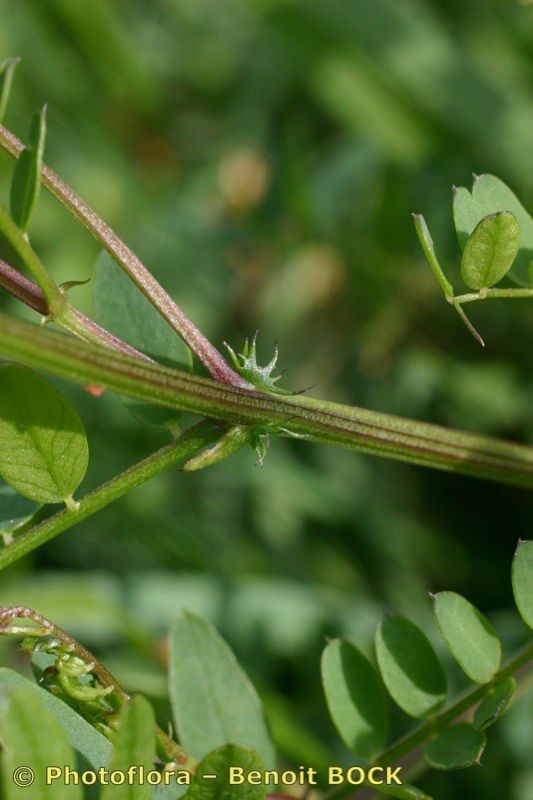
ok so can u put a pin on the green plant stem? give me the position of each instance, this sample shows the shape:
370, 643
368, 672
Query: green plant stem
359, 429
183, 448
55, 300
45, 627
207, 354
409, 743
488, 294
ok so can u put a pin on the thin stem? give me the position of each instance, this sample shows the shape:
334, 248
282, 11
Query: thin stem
473, 331
45, 627
22, 288
493, 294
54, 297
180, 450
207, 354
356, 428
29, 293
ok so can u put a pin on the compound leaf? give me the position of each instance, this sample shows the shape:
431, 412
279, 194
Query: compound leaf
409, 667
456, 747
489, 195
490, 250
355, 698
218, 764
470, 637
213, 701
26, 182
134, 745
43, 447
33, 739
493, 706
522, 577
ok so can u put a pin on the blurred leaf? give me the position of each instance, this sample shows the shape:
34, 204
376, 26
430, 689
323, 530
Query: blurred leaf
522, 576
134, 745
490, 195
490, 250
93, 748
43, 447
14, 508
120, 307
493, 706
33, 738
7, 69
428, 247
409, 667
26, 181
456, 747
219, 763
355, 697
213, 701
469, 635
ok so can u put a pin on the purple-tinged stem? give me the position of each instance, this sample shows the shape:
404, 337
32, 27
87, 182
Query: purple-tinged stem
29, 293
206, 353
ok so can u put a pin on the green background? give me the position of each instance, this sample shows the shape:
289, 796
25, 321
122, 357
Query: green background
263, 157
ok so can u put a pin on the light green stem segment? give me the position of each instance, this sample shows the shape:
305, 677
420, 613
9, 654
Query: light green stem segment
183, 448
494, 294
355, 428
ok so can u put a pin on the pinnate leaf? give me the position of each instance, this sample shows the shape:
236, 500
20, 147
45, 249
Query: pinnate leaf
456, 747
355, 698
134, 745
43, 447
26, 182
120, 307
522, 575
33, 738
218, 763
213, 701
490, 250
493, 706
470, 637
489, 195
409, 667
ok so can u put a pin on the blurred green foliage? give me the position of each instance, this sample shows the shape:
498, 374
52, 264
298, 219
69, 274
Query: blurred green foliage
263, 158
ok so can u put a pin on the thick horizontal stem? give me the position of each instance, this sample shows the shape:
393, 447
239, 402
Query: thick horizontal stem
22, 288
356, 428
180, 450
207, 354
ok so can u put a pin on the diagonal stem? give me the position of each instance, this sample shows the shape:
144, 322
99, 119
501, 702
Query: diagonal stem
206, 353
183, 448
29, 293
